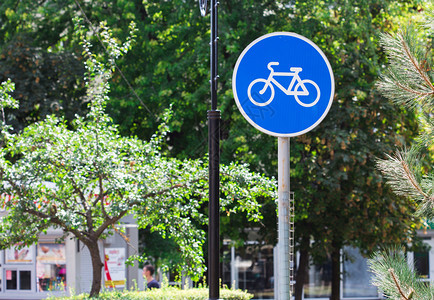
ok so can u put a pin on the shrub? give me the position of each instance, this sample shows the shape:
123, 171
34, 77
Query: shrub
167, 293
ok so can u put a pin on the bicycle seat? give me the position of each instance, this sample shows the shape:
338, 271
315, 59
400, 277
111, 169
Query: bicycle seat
295, 69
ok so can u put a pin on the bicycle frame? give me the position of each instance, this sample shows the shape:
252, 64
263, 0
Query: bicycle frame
297, 87
288, 91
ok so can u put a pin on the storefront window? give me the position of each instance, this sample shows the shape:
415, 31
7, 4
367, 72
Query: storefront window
253, 270
19, 255
11, 280
18, 280
319, 282
356, 277
25, 280
421, 264
51, 267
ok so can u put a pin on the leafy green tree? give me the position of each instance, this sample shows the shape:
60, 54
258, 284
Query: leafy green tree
45, 83
98, 177
6, 101
170, 64
46, 71
340, 197
334, 172
408, 81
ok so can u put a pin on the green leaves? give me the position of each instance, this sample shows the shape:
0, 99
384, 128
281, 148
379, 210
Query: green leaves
333, 168
6, 100
396, 278
84, 179
411, 85
408, 81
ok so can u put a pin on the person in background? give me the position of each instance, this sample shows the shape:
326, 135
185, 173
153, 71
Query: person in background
148, 272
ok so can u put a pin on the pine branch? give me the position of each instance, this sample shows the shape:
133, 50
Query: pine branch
400, 176
400, 173
411, 178
412, 91
390, 268
407, 80
398, 286
416, 65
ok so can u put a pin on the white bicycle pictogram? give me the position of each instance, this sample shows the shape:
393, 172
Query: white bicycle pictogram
299, 89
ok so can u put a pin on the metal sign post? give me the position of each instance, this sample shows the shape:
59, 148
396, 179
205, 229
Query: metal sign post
283, 217
214, 161
284, 86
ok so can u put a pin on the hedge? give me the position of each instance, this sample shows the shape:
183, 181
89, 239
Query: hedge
166, 293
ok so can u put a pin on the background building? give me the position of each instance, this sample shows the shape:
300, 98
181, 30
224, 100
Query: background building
56, 267
252, 268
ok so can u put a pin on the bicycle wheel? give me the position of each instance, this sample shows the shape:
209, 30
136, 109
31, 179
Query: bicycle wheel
261, 96
308, 90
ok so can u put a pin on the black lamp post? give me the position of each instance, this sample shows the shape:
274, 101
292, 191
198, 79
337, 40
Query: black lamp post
214, 161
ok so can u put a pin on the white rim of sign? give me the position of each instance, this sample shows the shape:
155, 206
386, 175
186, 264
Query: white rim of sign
288, 92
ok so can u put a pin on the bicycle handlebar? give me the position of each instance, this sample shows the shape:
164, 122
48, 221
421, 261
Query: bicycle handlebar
273, 63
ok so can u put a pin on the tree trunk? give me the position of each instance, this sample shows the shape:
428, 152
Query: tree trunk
302, 270
96, 268
301, 274
336, 272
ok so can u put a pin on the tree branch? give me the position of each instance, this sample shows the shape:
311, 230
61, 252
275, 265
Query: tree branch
126, 239
80, 194
162, 192
57, 221
405, 297
101, 196
89, 221
116, 65
3, 116
74, 184
411, 178
407, 89
108, 222
415, 63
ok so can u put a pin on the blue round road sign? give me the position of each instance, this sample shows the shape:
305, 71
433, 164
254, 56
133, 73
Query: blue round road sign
283, 84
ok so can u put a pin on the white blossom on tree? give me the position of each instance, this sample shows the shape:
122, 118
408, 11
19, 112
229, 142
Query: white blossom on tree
98, 177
